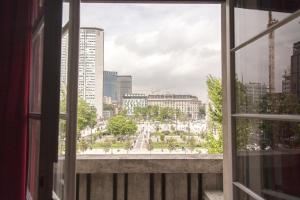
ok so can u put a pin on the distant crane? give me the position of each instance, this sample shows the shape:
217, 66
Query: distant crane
271, 22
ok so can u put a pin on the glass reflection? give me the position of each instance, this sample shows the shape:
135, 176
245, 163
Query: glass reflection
240, 195
58, 175
253, 17
36, 72
268, 157
58, 167
268, 73
33, 159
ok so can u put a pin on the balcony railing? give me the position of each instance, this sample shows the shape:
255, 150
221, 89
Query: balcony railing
149, 177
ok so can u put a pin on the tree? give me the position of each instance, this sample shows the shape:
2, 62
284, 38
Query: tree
191, 143
150, 146
121, 126
202, 111
162, 138
108, 107
86, 115
214, 139
128, 146
107, 145
171, 144
82, 144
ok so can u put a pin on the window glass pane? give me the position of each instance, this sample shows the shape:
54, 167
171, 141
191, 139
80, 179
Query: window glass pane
58, 175
143, 79
268, 73
33, 158
268, 157
252, 17
64, 71
36, 71
240, 195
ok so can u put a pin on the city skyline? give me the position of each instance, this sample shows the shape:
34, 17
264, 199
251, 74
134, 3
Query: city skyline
165, 42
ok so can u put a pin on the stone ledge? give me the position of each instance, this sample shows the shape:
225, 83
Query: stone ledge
149, 163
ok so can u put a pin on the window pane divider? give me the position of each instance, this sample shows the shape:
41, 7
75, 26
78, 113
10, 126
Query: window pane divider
276, 117
72, 93
248, 191
268, 30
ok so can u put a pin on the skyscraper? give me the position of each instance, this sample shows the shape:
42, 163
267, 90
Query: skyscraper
271, 22
295, 70
124, 86
110, 84
91, 64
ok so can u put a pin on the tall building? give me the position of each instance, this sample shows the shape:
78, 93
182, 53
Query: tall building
271, 22
291, 77
187, 104
64, 61
286, 82
254, 93
110, 85
91, 62
295, 70
131, 101
124, 86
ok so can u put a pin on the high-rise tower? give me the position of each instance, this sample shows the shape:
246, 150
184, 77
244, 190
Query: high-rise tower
91, 64
271, 22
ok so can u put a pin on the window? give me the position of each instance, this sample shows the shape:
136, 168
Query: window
266, 102
148, 69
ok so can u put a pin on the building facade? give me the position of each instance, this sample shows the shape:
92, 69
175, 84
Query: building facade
187, 104
261, 145
254, 93
295, 70
124, 86
110, 85
131, 101
91, 64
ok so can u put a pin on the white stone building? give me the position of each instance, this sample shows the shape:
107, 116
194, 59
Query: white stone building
91, 64
187, 104
131, 101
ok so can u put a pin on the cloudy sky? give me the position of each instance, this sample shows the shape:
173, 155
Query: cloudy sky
166, 48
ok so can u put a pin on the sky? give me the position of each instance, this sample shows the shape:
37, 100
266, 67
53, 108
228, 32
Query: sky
167, 48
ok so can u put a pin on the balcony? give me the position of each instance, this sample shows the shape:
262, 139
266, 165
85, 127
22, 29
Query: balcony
149, 177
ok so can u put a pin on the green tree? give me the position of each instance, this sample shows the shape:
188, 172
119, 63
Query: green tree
202, 111
214, 138
128, 146
171, 144
121, 126
192, 143
150, 146
86, 115
107, 145
82, 144
162, 137
108, 107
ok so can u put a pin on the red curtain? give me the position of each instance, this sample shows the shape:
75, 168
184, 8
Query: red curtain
15, 50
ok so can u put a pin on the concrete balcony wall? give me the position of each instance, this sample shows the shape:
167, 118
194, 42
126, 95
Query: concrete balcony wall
144, 177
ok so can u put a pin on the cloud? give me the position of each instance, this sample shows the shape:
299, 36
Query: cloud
167, 47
